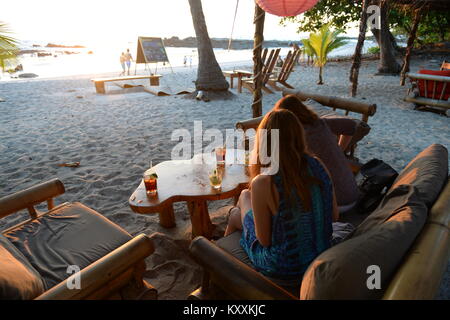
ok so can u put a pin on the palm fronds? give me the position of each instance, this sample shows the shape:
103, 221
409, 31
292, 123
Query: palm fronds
320, 44
9, 46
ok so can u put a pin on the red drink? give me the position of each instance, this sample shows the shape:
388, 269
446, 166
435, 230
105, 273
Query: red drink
220, 155
150, 182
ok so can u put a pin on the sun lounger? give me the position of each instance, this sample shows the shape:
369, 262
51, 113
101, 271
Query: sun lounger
266, 71
67, 238
285, 71
100, 82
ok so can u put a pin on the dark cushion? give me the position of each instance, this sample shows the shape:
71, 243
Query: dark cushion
428, 172
70, 235
18, 279
341, 271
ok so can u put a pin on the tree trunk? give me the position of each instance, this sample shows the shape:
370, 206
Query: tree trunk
257, 61
209, 74
410, 44
354, 71
320, 76
388, 64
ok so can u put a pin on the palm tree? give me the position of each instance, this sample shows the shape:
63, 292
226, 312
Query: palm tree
320, 44
209, 74
8, 45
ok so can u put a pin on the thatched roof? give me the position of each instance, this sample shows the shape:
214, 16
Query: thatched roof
430, 4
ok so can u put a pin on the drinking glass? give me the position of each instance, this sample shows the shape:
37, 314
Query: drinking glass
215, 179
220, 155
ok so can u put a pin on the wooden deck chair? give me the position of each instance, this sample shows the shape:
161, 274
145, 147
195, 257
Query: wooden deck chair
445, 65
285, 71
267, 70
239, 74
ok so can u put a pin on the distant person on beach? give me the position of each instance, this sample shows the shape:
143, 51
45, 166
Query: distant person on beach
128, 59
320, 135
122, 63
185, 60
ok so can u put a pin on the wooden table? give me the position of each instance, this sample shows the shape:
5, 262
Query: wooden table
188, 180
100, 82
237, 74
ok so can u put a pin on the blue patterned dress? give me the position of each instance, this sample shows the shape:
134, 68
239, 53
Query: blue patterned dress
298, 236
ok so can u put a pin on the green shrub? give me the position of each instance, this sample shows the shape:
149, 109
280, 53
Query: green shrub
373, 50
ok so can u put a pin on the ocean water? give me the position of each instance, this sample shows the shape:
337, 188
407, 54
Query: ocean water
105, 59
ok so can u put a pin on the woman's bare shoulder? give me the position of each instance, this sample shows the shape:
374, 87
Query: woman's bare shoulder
261, 181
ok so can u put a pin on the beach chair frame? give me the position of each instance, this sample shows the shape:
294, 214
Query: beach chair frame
116, 275
413, 94
285, 71
249, 83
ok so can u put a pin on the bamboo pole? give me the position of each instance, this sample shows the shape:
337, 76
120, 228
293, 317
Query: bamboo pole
354, 71
410, 44
257, 61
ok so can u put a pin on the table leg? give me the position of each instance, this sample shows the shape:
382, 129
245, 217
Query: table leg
100, 87
239, 87
167, 217
231, 81
154, 81
201, 222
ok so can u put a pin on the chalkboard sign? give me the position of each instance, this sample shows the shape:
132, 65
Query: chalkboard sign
151, 50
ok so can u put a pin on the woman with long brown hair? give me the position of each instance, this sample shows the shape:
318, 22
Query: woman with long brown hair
286, 216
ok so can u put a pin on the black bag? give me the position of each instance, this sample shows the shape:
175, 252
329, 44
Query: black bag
373, 180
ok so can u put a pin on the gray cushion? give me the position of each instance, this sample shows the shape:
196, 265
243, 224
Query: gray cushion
18, 279
428, 172
70, 235
341, 271
231, 244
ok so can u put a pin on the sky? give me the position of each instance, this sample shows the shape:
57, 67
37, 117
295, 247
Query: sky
88, 21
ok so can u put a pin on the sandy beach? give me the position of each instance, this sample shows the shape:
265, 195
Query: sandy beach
45, 122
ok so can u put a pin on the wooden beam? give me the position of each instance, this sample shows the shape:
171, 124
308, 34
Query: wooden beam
257, 60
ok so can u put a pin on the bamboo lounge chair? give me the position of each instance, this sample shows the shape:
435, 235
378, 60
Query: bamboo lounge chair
328, 109
407, 237
285, 71
38, 256
266, 72
429, 88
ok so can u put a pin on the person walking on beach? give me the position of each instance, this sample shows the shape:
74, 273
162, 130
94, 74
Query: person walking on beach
128, 59
122, 63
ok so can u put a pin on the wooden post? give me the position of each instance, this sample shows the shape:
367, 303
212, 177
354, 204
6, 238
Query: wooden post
410, 44
354, 71
257, 60
167, 217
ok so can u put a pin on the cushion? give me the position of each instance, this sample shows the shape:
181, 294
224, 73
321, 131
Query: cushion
394, 202
341, 272
430, 85
428, 172
231, 244
70, 235
18, 279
